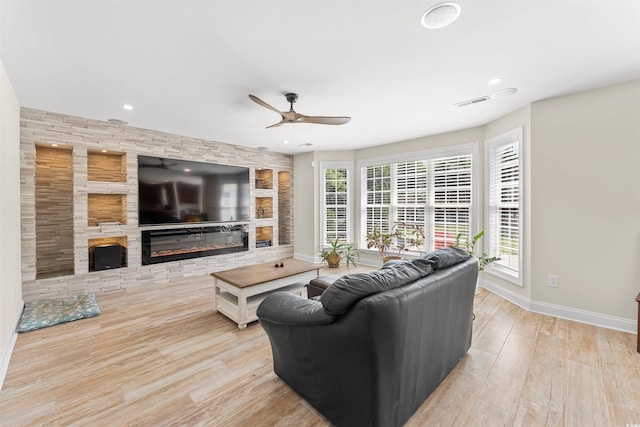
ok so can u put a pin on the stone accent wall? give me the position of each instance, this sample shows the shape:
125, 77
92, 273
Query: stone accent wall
84, 139
285, 208
54, 211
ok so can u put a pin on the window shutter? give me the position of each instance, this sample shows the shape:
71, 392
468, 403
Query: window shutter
451, 202
336, 205
504, 205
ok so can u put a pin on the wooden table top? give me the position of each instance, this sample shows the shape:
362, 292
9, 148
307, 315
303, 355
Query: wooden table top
243, 277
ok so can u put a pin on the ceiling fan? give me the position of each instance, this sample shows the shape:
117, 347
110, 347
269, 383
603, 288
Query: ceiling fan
292, 117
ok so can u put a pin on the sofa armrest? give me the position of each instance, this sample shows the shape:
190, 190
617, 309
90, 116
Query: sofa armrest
284, 308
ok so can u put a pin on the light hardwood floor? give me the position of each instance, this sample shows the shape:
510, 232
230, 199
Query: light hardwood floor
159, 356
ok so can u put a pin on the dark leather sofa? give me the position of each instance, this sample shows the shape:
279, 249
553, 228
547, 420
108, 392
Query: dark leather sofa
376, 345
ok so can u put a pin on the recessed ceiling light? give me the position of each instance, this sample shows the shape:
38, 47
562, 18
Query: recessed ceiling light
504, 92
54, 145
187, 170
286, 141
104, 151
440, 15
494, 81
117, 121
127, 107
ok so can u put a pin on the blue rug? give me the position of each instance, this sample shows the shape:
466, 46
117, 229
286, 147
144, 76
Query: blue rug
49, 312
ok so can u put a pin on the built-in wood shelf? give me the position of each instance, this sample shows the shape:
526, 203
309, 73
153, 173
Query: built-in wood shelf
263, 234
264, 207
264, 179
121, 241
106, 167
106, 208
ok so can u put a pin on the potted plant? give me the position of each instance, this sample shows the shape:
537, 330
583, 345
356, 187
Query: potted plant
336, 251
470, 248
411, 236
382, 241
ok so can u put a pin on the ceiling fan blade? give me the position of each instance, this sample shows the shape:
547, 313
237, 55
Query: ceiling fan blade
264, 104
323, 120
276, 125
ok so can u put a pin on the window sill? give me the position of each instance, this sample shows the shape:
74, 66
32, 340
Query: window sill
504, 274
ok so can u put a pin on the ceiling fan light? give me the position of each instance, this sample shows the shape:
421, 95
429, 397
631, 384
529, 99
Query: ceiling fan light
440, 15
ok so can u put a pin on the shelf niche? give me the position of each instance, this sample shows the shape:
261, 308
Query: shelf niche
285, 208
106, 208
107, 241
54, 212
106, 167
264, 179
264, 234
264, 207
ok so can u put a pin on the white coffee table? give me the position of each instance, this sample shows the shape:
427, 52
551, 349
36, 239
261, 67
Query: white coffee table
239, 292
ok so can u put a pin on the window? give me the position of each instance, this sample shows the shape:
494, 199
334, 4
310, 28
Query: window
504, 202
434, 193
336, 207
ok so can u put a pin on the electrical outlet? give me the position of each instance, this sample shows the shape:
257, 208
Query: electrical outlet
552, 281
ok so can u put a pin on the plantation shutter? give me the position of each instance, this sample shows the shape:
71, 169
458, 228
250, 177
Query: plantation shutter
336, 205
376, 190
450, 203
433, 194
504, 205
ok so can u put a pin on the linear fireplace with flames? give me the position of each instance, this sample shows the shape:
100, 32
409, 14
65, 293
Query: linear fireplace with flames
184, 243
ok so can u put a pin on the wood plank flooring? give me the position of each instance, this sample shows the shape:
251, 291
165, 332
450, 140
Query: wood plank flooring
159, 356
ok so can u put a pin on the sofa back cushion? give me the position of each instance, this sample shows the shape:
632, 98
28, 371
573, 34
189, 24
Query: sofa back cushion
346, 291
443, 258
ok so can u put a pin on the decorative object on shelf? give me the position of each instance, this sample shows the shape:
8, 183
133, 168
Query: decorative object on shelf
336, 251
260, 212
470, 248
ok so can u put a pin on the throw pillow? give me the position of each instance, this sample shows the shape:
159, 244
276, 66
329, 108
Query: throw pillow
447, 257
338, 298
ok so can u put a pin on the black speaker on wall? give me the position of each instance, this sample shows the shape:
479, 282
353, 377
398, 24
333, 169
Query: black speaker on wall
107, 257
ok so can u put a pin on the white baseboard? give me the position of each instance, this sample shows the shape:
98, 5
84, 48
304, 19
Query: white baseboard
7, 350
302, 257
562, 312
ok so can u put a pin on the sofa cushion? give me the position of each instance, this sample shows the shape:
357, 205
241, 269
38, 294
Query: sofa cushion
447, 257
346, 291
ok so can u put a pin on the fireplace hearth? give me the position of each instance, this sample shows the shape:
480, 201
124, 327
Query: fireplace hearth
183, 243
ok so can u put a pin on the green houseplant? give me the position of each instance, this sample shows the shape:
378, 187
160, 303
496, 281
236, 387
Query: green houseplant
470, 247
336, 251
381, 241
407, 236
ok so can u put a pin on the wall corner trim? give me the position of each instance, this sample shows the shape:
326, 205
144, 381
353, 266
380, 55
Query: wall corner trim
562, 312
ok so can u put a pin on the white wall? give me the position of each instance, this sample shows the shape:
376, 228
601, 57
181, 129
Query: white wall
305, 211
10, 278
586, 200
581, 205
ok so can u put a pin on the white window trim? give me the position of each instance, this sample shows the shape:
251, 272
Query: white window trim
502, 139
350, 207
434, 153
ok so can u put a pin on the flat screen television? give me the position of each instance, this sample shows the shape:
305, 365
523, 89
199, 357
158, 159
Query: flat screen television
177, 191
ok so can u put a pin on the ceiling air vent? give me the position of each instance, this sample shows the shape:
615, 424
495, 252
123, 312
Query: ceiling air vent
472, 101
